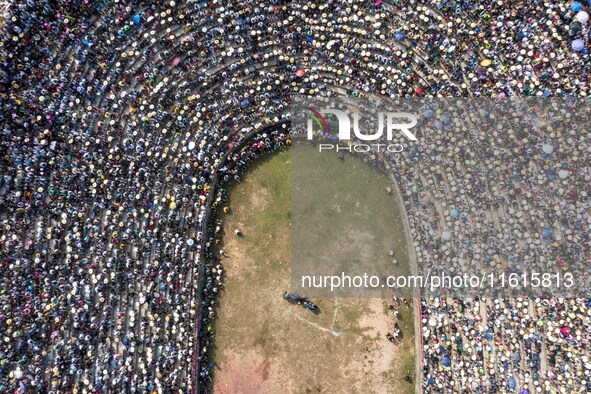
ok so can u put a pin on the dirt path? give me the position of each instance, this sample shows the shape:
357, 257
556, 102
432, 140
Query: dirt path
414, 269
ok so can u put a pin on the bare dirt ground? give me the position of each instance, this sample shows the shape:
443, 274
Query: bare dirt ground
266, 345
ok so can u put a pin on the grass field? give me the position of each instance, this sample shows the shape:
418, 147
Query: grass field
266, 345
343, 221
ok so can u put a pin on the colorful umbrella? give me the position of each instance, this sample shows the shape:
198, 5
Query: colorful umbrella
582, 17
576, 6
578, 45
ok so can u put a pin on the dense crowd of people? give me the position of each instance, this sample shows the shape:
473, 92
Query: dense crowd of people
506, 345
120, 119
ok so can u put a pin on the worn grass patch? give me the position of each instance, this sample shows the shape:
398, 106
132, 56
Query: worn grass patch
264, 344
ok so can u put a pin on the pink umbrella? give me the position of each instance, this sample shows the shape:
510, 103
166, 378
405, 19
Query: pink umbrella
176, 61
378, 3
565, 331
300, 73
